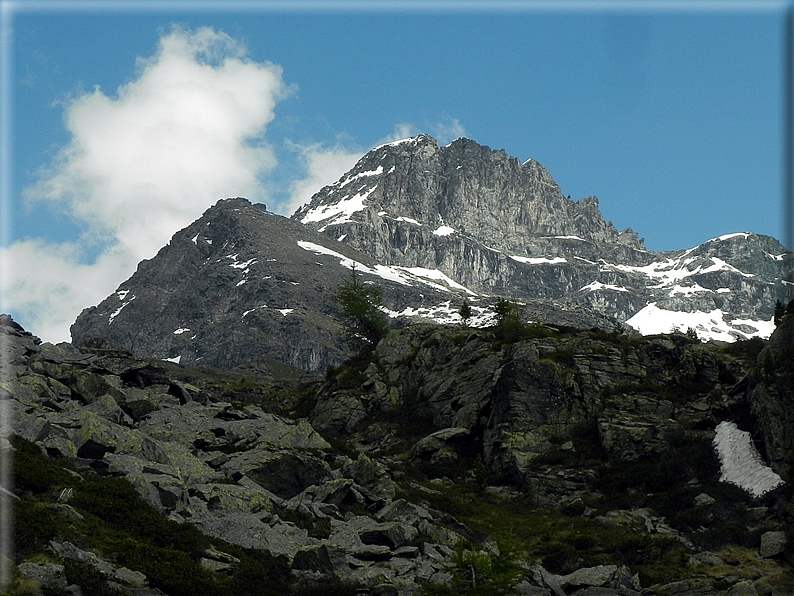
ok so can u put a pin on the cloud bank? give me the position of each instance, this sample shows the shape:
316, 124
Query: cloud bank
141, 164
188, 130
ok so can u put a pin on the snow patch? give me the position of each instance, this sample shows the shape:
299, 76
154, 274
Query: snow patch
340, 212
376, 172
597, 285
446, 314
443, 231
175, 359
406, 276
181, 330
740, 462
116, 312
539, 260
652, 320
687, 290
763, 328
285, 311
237, 265
409, 220
395, 143
729, 236
670, 271
569, 238
435, 274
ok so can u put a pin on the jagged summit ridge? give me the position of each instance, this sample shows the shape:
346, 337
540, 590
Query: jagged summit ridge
463, 188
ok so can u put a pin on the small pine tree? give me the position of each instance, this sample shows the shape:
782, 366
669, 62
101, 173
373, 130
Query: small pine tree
465, 313
509, 326
365, 324
779, 312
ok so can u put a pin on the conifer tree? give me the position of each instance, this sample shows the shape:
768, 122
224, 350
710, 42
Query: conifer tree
365, 324
465, 313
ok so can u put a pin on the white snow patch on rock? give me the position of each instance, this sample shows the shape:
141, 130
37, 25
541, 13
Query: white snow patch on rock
597, 285
175, 359
652, 320
181, 330
446, 314
539, 260
116, 312
729, 236
687, 290
406, 276
340, 212
443, 231
409, 220
740, 462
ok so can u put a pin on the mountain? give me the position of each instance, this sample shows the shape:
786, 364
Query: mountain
503, 227
434, 226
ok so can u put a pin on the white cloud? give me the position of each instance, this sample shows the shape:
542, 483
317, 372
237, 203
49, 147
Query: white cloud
47, 285
323, 165
143, 164
447, 130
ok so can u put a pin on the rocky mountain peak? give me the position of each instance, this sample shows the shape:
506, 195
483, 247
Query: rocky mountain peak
463, 188
433, 225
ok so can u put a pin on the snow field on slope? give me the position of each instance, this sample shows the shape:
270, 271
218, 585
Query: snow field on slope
406, 276
652, 320
740, 462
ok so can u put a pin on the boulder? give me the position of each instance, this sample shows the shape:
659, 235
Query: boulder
47, 576
772, 544
285, 473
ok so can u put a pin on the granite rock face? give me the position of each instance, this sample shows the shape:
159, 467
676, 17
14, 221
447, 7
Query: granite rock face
244, 287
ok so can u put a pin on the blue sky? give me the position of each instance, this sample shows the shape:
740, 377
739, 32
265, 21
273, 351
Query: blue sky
670, 113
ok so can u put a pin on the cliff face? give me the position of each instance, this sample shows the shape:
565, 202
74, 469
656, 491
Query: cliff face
241, 286
244, 287
771, 394
517, 400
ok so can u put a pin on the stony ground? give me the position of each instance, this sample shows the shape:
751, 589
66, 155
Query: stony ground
449, 460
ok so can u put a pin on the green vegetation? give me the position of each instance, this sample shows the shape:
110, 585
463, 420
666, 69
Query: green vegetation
477, 572
465, 313
365, 324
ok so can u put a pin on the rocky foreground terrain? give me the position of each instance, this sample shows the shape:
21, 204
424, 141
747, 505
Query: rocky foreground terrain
534, 460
